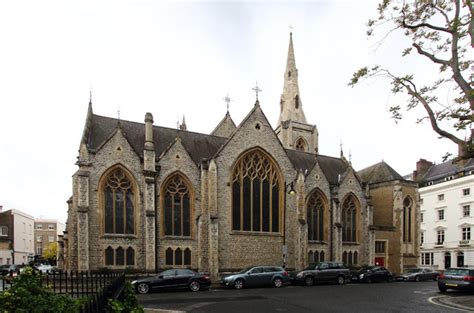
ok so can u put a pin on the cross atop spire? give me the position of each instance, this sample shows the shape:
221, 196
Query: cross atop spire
227, 100
257, 90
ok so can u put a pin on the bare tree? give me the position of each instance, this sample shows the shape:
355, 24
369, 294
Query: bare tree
442, 31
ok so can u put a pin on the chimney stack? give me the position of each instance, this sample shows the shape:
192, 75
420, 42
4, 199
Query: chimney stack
422, 167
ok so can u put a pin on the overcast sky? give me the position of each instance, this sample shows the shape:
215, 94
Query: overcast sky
173, 58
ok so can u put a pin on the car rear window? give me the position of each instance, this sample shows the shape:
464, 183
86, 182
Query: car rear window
456, 272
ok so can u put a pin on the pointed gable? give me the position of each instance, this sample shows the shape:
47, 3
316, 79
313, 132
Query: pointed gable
333, 168
225, 128
378, 173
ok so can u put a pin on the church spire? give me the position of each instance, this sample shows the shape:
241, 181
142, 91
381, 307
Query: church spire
290, 103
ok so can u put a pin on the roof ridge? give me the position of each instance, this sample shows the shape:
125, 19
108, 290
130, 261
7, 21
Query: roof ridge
158, 126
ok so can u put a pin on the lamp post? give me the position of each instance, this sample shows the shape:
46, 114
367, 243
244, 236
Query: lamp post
291, 192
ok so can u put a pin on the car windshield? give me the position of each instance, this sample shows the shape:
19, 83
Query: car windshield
310, 267
456, 272
414, 270
245, 270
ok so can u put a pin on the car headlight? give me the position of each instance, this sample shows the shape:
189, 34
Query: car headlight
134, 282
361, 276
299, 275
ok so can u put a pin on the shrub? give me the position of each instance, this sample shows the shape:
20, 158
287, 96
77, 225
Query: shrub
127, 303
28, 295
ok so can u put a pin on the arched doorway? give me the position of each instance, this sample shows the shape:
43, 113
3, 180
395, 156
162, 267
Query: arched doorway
447, 260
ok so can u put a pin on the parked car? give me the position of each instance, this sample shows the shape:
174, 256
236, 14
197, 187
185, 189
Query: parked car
457, 278
323, 272
44, 268
419, 274
369, 274
8, 269
173, 279
257, 276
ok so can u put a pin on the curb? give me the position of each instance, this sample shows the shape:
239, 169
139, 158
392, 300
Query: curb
446, 301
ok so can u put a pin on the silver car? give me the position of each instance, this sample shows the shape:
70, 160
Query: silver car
419, 274
257, 276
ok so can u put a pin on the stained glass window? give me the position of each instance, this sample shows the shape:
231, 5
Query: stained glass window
255, 194
118, 204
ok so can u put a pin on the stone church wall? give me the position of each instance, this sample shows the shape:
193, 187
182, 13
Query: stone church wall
237, 250
177, 160
116, 151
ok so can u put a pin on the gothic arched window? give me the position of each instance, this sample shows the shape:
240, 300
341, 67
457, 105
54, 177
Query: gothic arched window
119, 256
169, 256
256, 194
297, 101
301, 145
119, 203
109, 256
407, 219
349, 219
177, 207
130, 256
315, 210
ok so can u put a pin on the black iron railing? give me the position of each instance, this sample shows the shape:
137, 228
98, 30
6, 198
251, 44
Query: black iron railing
96, 287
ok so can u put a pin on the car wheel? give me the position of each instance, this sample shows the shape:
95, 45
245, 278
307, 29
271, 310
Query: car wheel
239, 284
277, 282
417, 278
368, 280
442, 288
143, 288
194, 286
309, 281
340, 280
390, 279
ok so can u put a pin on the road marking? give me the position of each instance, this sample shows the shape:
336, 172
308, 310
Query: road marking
432, 300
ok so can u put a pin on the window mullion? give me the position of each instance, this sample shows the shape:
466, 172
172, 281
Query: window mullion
251, 205
182, 216
241, 203
261, 205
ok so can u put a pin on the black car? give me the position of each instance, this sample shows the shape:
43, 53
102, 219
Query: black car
8, 269
326, 272
369, 274
457, 278
173, 279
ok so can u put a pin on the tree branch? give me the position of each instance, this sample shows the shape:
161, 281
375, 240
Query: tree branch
411, 89
429, 55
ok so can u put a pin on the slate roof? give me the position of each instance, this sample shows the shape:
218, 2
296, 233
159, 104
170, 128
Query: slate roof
378, 173
448, 168
331, 167
198, 145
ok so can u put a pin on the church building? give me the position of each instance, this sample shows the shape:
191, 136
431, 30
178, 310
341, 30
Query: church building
147, 197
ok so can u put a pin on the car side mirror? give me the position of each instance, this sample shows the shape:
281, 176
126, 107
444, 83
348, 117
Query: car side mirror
160, 277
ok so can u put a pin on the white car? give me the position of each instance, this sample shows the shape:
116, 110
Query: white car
44, 268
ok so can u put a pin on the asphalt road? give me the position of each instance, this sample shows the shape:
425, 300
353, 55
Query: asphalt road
376, 297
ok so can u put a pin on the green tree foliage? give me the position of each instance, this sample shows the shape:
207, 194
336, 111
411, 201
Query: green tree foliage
441, 31
50, 251
127, 303
28, 295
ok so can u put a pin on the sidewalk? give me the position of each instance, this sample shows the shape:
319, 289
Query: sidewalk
461, 302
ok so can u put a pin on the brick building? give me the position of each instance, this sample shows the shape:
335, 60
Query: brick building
149, 197
46, 231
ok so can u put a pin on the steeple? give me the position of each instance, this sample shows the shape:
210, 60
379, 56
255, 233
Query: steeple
183, 124
292, 129
290, 102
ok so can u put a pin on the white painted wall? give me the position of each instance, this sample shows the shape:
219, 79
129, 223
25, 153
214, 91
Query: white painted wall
23, 236
453, 222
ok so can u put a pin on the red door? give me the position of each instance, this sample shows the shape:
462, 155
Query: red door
380, 261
